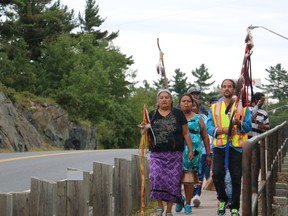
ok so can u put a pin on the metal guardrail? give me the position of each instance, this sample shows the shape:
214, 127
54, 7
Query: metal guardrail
269, 149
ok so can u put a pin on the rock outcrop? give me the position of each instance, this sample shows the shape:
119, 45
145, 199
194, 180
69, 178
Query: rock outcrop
22, 129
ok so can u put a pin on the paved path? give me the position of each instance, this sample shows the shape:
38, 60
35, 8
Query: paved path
208, 206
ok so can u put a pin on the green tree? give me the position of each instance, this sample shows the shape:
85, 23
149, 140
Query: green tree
17, 72
36, 21
58, 60
278, 112
91, 17
180, 84
278, 82
202, 77
91, 21
160, 83
27, 26
97, 83
84, 72
140, 97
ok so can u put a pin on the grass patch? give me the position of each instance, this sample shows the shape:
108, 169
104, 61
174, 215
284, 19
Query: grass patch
6, 151
149, 210
46, 147
82, 122
25, 98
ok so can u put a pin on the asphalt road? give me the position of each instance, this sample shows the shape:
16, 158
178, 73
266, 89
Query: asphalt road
16, 169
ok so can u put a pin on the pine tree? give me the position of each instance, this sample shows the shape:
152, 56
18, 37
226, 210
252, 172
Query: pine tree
160, 83
278, 82
91, 21
180, 85
35, 22
202, 76
28, 25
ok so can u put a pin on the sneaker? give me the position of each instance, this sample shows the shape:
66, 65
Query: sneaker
187, 209
180, 205
234, 212
196, 200
159, 211
221, 208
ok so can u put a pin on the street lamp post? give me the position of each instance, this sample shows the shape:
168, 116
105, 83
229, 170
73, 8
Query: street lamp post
253, 27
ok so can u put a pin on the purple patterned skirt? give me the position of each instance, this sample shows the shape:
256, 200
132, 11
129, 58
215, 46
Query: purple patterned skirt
165, 175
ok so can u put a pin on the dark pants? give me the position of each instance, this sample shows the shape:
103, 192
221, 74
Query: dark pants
205, 172
235, 168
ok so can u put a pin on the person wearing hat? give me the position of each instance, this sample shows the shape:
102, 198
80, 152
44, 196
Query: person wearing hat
170, 127
195, 91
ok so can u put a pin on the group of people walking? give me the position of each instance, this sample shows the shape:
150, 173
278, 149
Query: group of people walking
185, 137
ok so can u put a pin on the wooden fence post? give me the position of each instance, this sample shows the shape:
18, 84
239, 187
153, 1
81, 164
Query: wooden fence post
102, 189
61, 206
88, 177
6, 204
122, 187
136, 182
21, 203
87, 181
77, 195
42, 197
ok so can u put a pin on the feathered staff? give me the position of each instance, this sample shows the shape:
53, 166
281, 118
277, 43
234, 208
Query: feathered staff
245, 79
160, 66
242, 85
145, 140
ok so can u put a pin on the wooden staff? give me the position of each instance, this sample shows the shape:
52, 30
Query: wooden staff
142, 168
161, 66
143, 146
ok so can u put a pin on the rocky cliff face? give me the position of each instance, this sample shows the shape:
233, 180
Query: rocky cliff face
22, 129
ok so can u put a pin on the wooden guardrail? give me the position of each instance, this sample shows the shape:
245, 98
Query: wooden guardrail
107, 190
273, 148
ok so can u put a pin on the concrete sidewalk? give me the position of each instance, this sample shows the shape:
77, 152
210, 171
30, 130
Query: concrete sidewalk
207, 207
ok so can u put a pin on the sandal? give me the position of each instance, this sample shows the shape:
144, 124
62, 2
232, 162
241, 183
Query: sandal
169, 214
159, 211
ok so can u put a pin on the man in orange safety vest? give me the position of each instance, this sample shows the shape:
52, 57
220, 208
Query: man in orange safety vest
217, 126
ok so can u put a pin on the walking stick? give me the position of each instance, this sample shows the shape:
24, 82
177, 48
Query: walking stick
142, 169
145, 125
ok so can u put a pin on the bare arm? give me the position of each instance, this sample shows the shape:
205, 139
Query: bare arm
206, 140
188, 140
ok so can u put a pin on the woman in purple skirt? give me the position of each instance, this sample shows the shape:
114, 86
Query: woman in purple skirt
169, 127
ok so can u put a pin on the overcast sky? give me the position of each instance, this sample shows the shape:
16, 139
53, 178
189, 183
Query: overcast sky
194, 32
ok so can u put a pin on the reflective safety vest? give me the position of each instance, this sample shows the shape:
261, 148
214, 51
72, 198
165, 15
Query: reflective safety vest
221, 120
